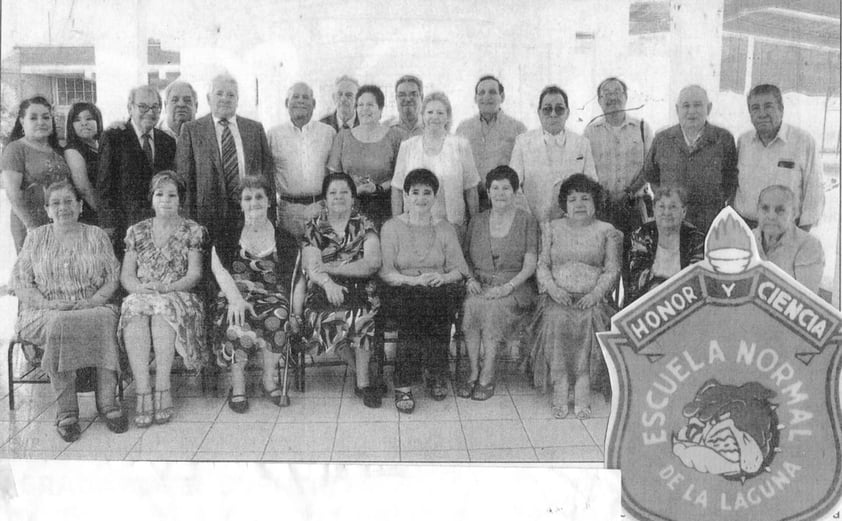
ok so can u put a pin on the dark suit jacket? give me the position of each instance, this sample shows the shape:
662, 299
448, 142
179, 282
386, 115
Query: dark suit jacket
333, 121
708, 172
199, 164
124, 173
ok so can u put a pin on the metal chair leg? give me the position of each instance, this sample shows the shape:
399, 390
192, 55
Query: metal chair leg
11, 375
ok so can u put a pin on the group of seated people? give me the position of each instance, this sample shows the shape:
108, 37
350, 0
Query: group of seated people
423, 257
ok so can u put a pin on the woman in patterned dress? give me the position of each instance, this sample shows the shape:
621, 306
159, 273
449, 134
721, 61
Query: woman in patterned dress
341, 254
31, 161
254, 270
65, 277
162, 264
578, 266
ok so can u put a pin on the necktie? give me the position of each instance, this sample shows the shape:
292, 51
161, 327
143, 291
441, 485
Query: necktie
147, 149
230, 167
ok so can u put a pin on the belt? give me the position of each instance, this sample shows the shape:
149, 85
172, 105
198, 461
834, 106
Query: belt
301, 199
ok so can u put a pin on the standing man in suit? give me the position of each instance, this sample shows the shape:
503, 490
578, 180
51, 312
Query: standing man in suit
215, 153
696, 155
128, 159
543, 158
345, 98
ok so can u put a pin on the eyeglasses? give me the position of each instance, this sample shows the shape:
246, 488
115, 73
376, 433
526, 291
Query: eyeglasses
144, 108
558, 109
404, 95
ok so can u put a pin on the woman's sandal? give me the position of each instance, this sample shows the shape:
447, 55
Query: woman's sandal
116, 424
404, 402
483, 392
276, 395
466, 389
560, 412
143, 418
583, 413
68, 428
239, 406
437, 389
163, 414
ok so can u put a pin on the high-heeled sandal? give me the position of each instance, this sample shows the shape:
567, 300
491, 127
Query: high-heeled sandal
143, 417
466, 389
483, 392
404, 402
162, 414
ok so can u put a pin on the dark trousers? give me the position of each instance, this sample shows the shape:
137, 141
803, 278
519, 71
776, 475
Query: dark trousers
424, 316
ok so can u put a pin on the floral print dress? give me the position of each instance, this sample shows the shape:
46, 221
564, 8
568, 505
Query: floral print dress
328, 327
182, 310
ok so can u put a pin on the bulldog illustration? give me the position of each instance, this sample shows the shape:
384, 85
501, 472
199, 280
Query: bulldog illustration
731, 431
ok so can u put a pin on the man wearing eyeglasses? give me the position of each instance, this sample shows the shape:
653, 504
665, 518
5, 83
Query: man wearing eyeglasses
409, 91
619, 143
344, 97
545, 157
128, 158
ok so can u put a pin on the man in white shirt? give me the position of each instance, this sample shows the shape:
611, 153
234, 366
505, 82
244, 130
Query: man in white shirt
545, 157
491, 132
180, 105
776, 153
619, 143
300, 149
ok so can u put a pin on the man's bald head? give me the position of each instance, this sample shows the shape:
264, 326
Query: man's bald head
692, 108
300, 103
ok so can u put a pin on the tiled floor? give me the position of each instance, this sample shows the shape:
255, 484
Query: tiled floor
325, 423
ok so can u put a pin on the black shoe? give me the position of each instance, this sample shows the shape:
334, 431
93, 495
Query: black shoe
238, 407
69, 433
381, 387
371, 397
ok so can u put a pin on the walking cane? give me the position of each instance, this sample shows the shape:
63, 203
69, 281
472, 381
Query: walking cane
288, 349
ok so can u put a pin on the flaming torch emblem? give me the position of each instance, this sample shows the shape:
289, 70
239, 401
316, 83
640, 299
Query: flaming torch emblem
728, 246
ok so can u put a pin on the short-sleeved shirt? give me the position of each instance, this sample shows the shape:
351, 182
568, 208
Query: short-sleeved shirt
453, 166
798, 253
413, 250
300, 157
618, 152
375, 161
39, 168
790, 159
491, 143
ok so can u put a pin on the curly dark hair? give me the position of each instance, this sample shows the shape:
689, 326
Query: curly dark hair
582, 184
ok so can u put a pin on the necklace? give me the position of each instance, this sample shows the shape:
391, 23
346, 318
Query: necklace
258, 237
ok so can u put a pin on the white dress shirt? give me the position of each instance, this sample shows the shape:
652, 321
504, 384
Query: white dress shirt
300, 157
